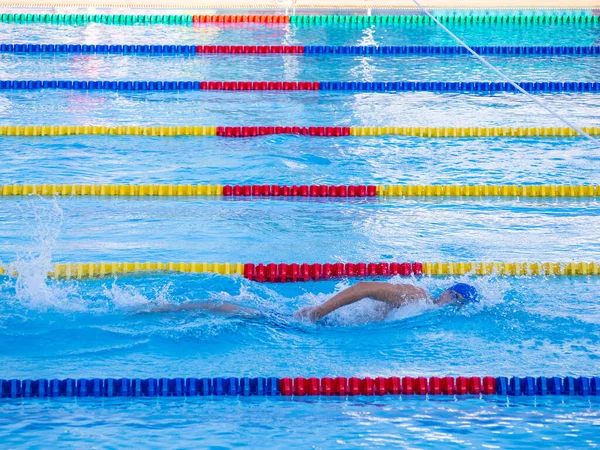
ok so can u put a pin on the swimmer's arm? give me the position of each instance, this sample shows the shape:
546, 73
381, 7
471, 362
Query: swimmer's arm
392, 294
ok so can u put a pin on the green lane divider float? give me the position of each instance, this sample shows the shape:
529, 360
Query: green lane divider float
109, 19
454, 19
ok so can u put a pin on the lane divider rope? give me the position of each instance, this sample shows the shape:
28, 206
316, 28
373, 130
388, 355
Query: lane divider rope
296, 272
357, 86
523, 19
260, 191
538, 50
252, 131
154, 19
131, 19
300, 387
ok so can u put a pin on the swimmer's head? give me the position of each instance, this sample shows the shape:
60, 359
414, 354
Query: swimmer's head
460, 293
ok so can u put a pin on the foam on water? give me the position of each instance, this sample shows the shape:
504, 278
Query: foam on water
127, 297
31, 286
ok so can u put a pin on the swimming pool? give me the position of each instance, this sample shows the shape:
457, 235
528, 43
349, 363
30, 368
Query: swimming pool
525, 326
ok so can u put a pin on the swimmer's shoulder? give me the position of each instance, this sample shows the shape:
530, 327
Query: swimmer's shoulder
414, 293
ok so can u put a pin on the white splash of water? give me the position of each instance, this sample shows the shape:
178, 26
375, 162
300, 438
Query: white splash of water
368, 37
33, 289
362, 312
129, 297
254, 297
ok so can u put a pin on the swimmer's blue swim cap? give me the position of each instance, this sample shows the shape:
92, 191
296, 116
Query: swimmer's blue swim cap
468, 292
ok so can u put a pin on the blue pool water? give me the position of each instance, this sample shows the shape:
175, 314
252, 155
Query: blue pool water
523, 326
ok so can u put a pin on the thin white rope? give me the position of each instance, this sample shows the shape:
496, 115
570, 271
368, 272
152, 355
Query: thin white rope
516, 86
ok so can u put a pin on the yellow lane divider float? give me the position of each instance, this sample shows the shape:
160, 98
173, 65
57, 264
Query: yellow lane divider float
453, 132
85, 130
260, 272
173, 131
261, 191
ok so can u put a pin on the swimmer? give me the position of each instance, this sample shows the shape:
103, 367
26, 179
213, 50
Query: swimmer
391, 295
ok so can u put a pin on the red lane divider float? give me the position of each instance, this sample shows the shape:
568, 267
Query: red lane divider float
384, 386
240, 19
267, 190
250, 49
273, 273
233, 132
260, 85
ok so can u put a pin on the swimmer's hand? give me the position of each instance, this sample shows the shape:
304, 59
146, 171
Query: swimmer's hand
311, 313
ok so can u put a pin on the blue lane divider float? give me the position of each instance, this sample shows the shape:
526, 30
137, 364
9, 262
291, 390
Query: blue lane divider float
590, 50
391, 86
232, 386
451, 50
460, 86
92, 48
